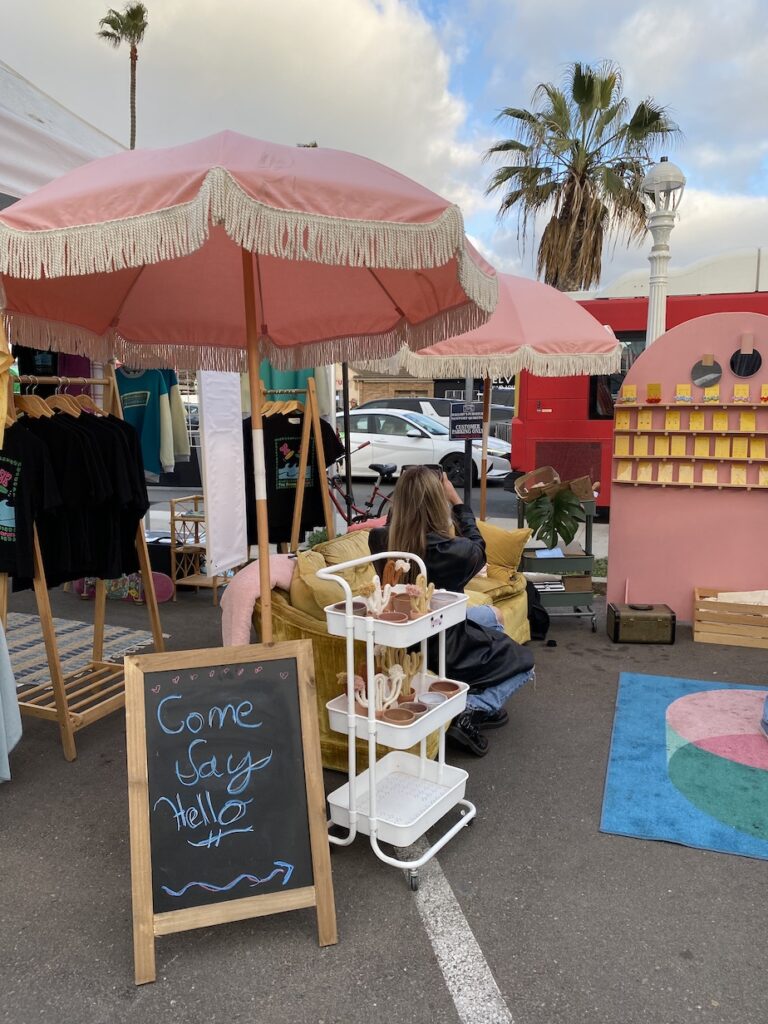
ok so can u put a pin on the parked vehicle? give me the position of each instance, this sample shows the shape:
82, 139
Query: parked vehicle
410, 438
437, 408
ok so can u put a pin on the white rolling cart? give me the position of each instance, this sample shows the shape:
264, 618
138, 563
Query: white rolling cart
401, 795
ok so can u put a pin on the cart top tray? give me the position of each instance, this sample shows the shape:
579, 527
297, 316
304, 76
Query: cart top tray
400, 634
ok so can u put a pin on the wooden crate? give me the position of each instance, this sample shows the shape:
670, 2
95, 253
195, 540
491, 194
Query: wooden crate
741, 625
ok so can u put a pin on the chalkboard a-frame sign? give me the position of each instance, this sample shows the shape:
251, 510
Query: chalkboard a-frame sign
225, 791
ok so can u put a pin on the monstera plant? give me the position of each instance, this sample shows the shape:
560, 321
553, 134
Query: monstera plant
555, 517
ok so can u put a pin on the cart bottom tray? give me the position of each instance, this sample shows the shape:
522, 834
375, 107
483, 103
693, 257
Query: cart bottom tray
412, 794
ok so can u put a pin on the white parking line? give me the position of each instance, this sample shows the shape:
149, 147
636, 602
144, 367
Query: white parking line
467, 975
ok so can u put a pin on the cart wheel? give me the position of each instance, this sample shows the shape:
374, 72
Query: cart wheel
413, 881
471, 822
594, 624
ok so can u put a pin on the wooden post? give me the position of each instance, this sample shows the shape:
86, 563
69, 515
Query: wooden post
322, 476
52, 652
484, 457
252, 326
301, 480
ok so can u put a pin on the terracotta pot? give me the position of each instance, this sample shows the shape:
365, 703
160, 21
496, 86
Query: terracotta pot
398, 716
400, 603
445, 686
398, 617
358, 607
416, 706
441, 600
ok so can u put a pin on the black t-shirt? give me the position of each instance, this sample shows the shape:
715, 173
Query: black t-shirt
282, 440
28, 494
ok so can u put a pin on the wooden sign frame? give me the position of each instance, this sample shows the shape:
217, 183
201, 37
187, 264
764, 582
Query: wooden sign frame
147, 924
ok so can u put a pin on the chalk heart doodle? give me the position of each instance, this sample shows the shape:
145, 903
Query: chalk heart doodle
198, 771
175, 680
212, 673
193, 677
156, 689
283, 675
240, 671
257, 669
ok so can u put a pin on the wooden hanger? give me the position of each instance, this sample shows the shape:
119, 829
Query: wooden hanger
86, 403
32, 404
65, 403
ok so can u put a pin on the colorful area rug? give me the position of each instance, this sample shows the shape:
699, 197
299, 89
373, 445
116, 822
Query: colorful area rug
75, 642
689, 765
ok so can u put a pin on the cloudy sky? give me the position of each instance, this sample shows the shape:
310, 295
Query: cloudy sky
417, 83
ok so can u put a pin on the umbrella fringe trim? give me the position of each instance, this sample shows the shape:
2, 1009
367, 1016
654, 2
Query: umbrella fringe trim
36, 332
177, 231
501, 365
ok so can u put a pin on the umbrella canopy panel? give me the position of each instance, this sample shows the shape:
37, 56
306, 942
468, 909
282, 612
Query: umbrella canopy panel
534, 328
138, 256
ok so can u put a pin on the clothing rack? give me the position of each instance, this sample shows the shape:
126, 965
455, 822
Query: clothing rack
310, 428
82, 697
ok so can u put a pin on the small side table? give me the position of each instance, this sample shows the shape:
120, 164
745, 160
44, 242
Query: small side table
188, 546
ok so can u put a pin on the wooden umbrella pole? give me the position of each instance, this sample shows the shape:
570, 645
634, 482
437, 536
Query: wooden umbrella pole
484, 457
252, 327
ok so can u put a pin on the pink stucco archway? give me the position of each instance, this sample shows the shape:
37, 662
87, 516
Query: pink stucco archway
666, 541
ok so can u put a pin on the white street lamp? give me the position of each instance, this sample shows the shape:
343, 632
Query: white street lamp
662, 188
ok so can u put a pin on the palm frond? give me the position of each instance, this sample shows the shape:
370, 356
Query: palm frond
579, 154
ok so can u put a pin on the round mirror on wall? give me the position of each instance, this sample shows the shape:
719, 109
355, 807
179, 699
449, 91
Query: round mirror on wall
746, 364
706, 372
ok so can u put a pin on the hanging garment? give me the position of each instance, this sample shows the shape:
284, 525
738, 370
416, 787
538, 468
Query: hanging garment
28, 494
181, 448
282, 440
96, 462
146, 407
35, 363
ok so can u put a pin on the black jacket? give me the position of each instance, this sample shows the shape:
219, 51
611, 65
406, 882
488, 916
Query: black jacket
475, 655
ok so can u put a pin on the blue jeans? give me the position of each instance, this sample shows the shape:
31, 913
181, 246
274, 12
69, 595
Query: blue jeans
493, 698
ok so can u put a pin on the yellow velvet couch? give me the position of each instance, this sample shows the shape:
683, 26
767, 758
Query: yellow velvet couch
299, 615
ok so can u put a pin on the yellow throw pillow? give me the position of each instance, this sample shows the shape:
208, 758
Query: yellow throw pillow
309, 593
503, 547
345, 548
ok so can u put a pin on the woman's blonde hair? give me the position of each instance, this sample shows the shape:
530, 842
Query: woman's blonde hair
419, 507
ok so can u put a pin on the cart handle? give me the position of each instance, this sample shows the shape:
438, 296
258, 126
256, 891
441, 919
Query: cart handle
331, 572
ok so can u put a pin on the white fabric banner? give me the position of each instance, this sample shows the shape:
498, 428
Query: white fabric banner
223, 468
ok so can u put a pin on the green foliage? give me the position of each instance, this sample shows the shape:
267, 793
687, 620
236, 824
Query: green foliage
126, 27
555, 517
317, 537
579, 158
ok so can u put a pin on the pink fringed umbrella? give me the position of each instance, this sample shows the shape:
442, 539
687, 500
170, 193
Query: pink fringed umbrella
534, 327
216, 253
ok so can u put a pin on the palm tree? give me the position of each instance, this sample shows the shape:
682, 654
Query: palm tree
128, 27
579, 156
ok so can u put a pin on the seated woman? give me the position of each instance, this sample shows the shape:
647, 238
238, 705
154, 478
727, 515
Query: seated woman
428, 519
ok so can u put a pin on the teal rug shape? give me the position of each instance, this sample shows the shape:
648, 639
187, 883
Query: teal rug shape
75, 643
688, 764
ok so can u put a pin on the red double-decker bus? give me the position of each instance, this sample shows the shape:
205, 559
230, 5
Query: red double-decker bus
567, 422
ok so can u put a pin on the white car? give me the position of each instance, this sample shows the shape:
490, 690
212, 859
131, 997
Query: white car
409, 439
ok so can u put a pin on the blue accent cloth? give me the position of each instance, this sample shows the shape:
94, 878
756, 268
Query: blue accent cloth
493, 698
275, 379
10, 716
141, 394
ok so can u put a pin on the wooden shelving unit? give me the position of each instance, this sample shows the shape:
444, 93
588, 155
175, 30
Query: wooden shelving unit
188, 546
743, 425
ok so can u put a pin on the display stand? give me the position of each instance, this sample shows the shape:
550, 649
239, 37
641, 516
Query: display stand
575, 560
401, 795
82, 697
188, 546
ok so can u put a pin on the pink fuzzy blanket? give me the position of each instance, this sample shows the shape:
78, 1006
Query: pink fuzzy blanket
242, 592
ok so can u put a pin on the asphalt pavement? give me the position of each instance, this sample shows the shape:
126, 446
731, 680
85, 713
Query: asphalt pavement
571, 925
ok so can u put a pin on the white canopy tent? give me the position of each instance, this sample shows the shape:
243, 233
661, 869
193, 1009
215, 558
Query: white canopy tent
39, 138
